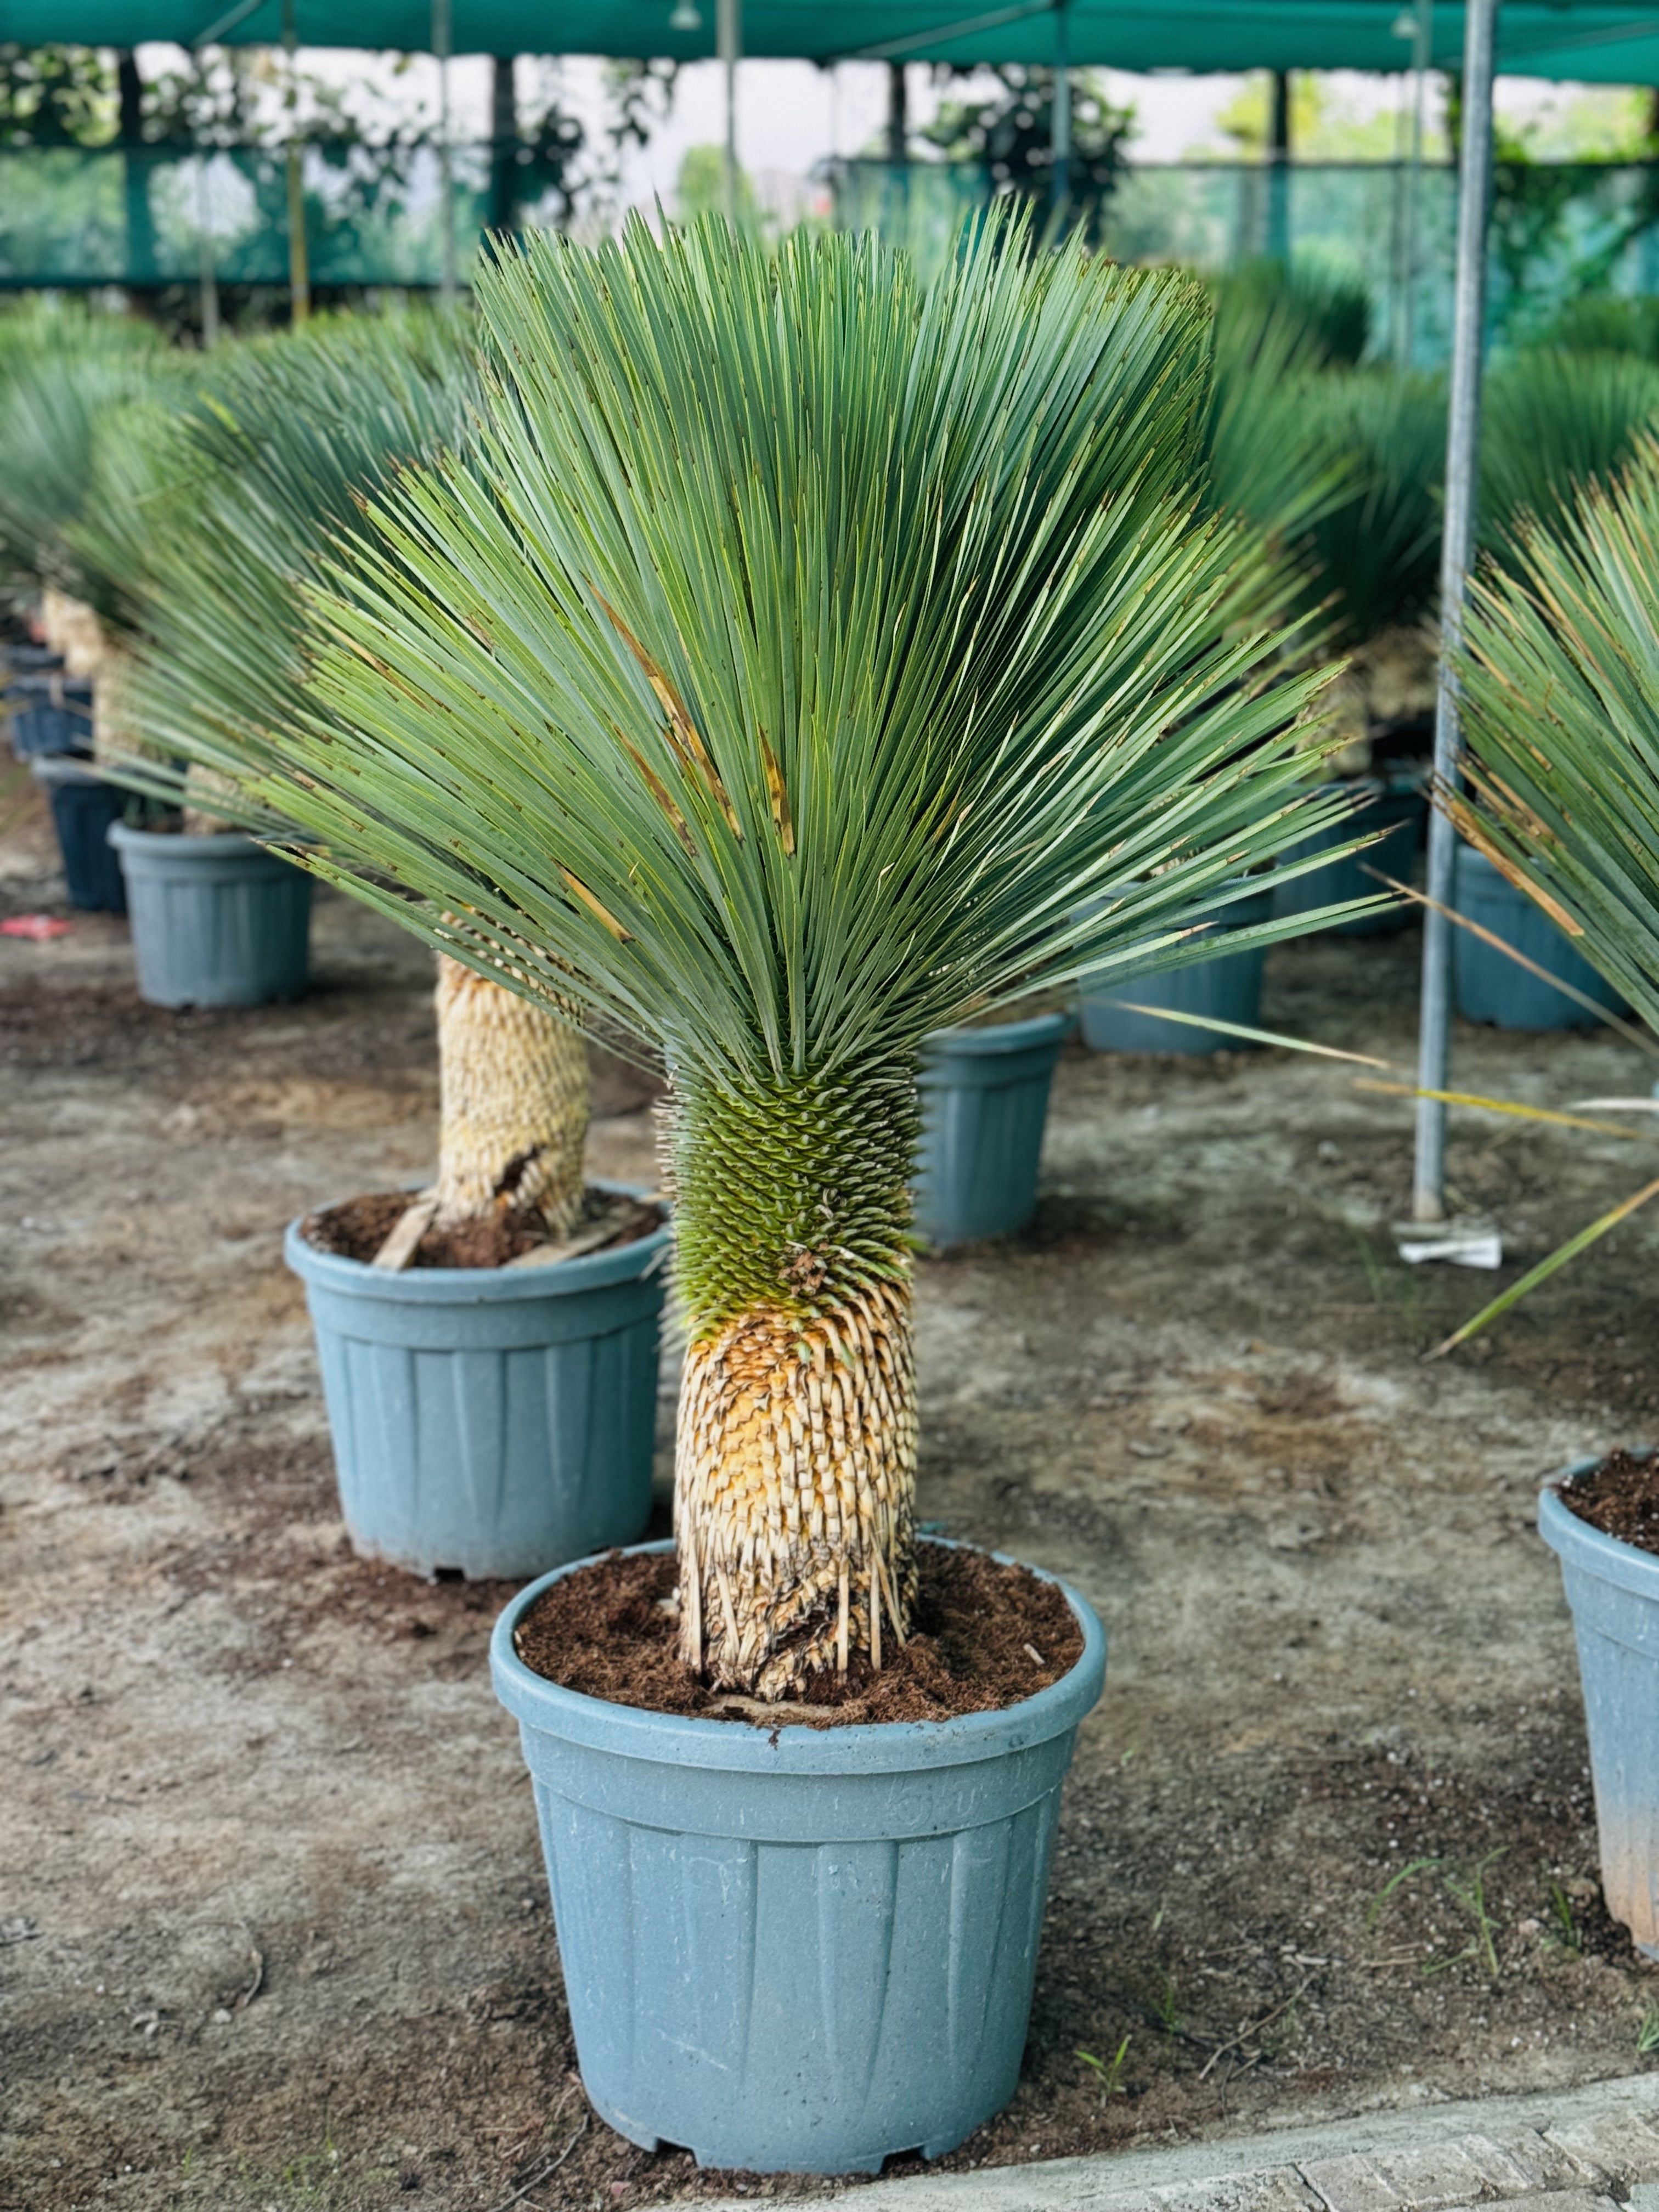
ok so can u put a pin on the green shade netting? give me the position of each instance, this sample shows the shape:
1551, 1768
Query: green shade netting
1611, 44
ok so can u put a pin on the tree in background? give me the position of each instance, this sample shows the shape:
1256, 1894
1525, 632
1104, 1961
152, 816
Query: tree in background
1011, 134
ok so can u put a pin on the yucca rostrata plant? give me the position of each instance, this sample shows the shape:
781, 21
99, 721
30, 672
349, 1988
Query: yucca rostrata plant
1561, 711
263, 471
804, 661
1561, 718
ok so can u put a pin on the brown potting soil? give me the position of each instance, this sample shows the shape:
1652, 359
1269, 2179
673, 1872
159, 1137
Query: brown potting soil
985, 1635
1621, 1498
356, 1229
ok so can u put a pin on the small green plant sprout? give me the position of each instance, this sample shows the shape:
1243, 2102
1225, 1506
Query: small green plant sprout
1110, 2070
1397, 1880
1468, 1890
1166, 2010
1561, 1931
1647, 2033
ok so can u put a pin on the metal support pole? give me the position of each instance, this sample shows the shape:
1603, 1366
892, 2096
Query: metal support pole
1422, 51
1279, 170
1061, 125
1462, 457
299, 260
440, 44
728, 40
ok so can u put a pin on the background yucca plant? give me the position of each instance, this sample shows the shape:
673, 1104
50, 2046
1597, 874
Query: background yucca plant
804, 659
229, 503
1560, 684
64, 373
1562, 718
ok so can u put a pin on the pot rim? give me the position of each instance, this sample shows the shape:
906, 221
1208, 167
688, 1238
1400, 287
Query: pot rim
592, 1271
1610, 1559
871, 1748
205, 845
1002, 1036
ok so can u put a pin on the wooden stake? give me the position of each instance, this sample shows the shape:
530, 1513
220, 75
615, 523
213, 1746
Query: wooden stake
840, 1625
407, 1231
875, 1622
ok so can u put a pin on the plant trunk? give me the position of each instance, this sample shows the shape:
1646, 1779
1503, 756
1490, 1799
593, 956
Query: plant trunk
796, 1453
70, 627
514, 1084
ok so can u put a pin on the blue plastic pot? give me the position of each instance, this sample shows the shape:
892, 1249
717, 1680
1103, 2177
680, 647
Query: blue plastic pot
1227, 989
84, 808
1612, 1589
496, 1421
984, 1101
1493, 988
797, 1949
1401, 810
216, 920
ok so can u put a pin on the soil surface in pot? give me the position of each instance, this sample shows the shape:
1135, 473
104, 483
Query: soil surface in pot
986, 1634
1621, 1498
358, 1227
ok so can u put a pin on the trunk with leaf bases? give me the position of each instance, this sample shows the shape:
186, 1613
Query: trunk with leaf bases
795, 1459
514, 1105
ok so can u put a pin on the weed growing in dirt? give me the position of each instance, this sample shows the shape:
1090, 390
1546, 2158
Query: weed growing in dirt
1647, 2033
1110, 2070
1563, 1933
1468, 1890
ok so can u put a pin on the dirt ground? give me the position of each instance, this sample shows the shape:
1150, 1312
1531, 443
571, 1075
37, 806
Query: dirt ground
273, 1927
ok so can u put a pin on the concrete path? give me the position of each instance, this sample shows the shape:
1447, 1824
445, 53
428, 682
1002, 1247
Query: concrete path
1581, 2150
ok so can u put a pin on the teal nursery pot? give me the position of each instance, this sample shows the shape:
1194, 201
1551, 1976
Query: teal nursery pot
1227, 989
216, 920
490, 1421
984, 1101
797, 1949
1612, 1589
1401, 810
1490, 987
83, 809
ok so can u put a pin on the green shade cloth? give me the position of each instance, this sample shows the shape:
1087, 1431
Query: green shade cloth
1609, 43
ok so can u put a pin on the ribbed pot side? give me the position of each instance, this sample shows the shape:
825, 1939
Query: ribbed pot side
984, 1106
490, 1421
797, 1949
1493, 988
1227, 989
1612, 1589
217, 920
1400, 816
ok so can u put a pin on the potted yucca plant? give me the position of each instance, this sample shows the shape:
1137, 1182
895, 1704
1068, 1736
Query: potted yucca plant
488, 1347
1562, 719
65, 370
794, 662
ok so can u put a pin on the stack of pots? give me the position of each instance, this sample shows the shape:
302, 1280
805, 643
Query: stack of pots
50, 718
